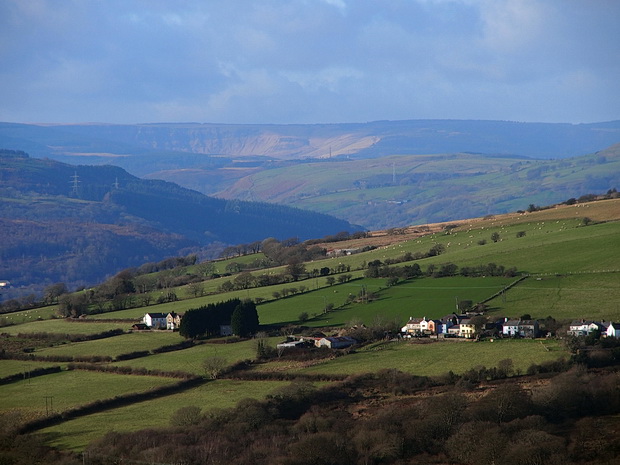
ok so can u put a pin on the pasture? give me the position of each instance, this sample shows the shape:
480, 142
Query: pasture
58, 392
63, 326
77, 433
591, 296
430, 297
432, 359
114, 346
190, 360
574, 273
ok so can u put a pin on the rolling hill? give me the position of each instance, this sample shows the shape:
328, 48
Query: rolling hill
379, 174
401, 190
77, 224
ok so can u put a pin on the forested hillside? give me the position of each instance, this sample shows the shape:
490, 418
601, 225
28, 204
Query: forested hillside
77, 224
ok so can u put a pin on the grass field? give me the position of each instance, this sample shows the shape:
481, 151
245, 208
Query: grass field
190, 360
12, 367
72, 388
62, 326
430, 297
77, 433
440, 357
593, 296
26, 316
116, 345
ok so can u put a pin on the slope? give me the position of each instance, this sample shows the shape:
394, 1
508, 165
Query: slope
92, 221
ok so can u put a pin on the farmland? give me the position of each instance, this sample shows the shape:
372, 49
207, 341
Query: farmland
565, 269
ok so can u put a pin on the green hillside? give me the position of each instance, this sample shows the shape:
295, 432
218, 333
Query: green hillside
566, 269
401, 190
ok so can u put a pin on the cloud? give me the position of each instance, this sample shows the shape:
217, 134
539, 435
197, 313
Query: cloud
309, 60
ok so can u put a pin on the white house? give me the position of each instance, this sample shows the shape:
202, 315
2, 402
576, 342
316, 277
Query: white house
510, 328
414, 326
155, 320
613, 330
582, 327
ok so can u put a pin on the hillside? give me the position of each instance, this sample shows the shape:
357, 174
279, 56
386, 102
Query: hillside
99, 373
77, 224
397, 191
379, 174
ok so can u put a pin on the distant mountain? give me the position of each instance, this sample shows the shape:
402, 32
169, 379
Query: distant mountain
77, 224
299, 141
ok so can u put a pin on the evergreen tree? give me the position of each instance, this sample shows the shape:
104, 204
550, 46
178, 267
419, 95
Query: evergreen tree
244, 319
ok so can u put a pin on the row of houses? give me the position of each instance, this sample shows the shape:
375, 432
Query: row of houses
464, 326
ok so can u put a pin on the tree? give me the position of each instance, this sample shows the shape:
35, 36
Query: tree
206, 269
73, 305
193, 324
521, 234
296, 269
245, 280
495, 236
54, 291
196, 289
214, 366
244, 320
303, 316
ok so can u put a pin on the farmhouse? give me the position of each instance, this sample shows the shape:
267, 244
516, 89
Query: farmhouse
582, 327
414, 326
522, 328
613, 330
173, 321
155, 320
467, 329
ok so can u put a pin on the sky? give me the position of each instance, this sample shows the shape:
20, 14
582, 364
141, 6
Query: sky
309, 61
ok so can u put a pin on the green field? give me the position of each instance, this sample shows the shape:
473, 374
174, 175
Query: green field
440, 357
69, 389
62, 326
26, 316
592, 296
113, 346
12, 367
190, 360
430, 297
77, 433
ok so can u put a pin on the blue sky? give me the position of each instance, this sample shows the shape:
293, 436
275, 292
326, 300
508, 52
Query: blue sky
309, 61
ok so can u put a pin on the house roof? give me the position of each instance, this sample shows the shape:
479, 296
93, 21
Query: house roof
340, 339
157, 315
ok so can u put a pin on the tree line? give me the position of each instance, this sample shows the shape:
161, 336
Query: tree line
206, 320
